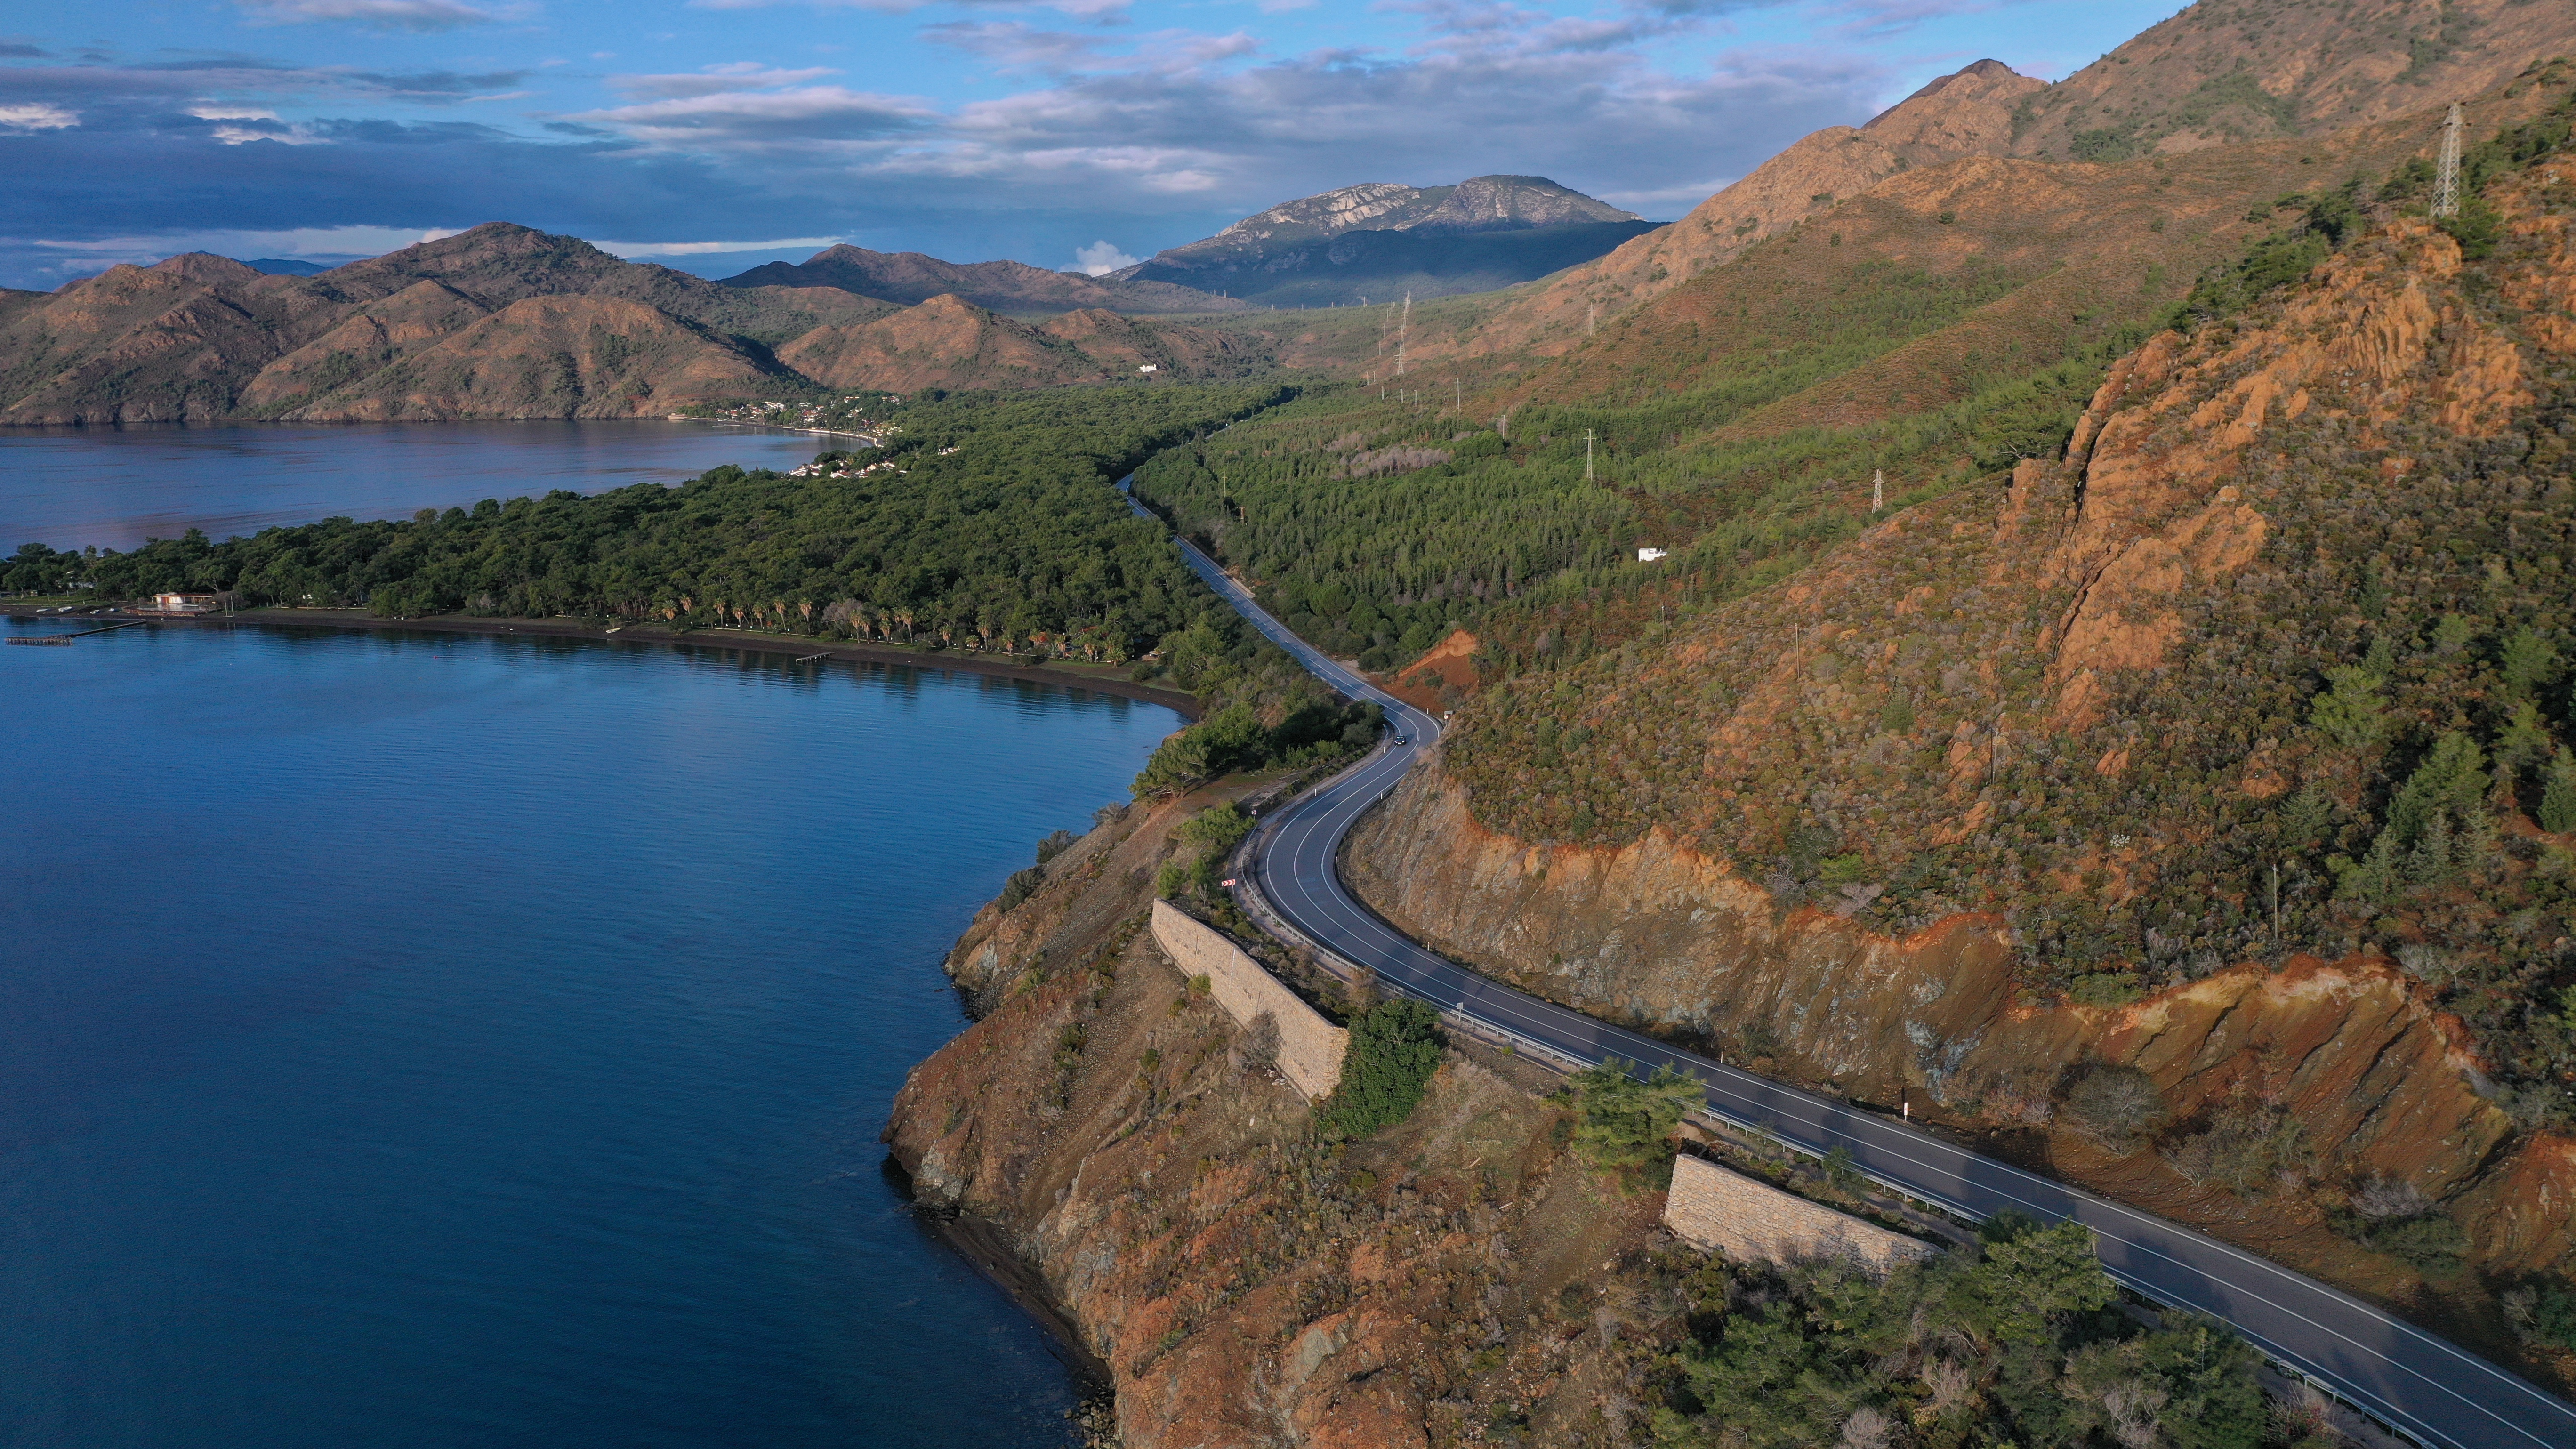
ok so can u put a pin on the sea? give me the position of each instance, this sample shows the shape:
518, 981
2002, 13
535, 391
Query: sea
454, 1040
116, 487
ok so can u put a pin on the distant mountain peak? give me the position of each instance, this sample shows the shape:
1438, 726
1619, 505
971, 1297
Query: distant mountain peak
1382, 238
1479, 203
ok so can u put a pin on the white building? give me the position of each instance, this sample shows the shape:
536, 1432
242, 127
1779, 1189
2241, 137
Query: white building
1649, 555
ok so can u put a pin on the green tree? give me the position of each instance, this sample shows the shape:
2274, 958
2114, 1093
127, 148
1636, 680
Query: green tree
2558, 796
2043, 1274
2453, 781
2351, 710
1623, 1122
1394, 1048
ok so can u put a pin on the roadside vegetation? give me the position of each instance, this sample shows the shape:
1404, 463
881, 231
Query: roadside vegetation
2023, 1341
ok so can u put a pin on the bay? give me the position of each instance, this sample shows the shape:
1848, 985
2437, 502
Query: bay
116, 487
412, 1039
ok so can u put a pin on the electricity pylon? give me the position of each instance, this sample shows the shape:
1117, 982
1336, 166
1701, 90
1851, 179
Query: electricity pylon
2446, 176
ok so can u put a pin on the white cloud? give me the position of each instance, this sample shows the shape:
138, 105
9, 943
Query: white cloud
385, 14
631, 250
36, 116
334, 243
799, 118
1100, 259
738, 75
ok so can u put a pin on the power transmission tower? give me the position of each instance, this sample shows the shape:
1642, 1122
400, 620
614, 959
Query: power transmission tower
1587, 455
1401, 328
1457, 396
1878, 490
2446, 177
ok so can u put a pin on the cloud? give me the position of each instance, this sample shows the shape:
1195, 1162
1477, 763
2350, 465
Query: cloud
799, 118
11, 50
1100, 258
36, 116
715, 79
1099, 12
417, 15
1012, 45
631, 250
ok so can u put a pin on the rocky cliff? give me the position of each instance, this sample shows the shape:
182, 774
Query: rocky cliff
1106, 1132
2090, 769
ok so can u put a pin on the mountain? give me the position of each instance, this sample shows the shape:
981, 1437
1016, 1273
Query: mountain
2219, 72
1010, 287
1379, 240
949, 343
2232, 70
1969, 112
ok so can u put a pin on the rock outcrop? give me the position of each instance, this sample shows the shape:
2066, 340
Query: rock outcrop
1891, 823
1118, 1139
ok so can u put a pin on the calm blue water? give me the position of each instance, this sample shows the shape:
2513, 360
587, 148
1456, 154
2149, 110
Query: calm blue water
116, 487
448, 1041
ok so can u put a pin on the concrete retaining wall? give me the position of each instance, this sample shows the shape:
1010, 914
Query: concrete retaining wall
1310, 1048
1745, 1219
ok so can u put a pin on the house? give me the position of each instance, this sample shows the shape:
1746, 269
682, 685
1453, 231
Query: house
1649, 555
180, 605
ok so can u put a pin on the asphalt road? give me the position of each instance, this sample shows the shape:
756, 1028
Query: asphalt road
2418, 1382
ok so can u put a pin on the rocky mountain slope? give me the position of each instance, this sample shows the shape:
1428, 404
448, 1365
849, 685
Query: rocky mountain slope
2221, 71
505, 322
1382, 239
500, 321
1014, 288
2230, 746
2233, 70
2004, 263
948, 343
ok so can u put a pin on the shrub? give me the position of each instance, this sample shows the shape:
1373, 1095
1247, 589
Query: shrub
2247, 1148
1394, 1049
2105, 988
1622, 1122
2116, 1106
2432, 1244
1220, 828
1021, 885
2551, 1314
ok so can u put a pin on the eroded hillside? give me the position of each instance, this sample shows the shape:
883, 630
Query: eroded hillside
2234, 747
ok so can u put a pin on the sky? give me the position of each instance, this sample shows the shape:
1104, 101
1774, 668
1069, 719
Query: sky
713, 135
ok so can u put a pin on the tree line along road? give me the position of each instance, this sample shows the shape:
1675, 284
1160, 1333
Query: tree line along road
2428, 1388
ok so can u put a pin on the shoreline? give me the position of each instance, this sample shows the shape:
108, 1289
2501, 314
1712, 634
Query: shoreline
777, 428
1186, 705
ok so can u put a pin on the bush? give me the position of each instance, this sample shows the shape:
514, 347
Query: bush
2116, 1106
2105, 988
1221, 828
2247, 1148
2433, 1244
1394, 1049
1622, 1122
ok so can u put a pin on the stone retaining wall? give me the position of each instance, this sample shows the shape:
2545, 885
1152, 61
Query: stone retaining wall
1310, 1048
1745, 1219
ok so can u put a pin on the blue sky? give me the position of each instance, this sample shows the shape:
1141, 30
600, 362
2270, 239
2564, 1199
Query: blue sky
716, 134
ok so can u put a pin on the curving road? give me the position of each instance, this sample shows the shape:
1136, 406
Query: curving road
2432, 1390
